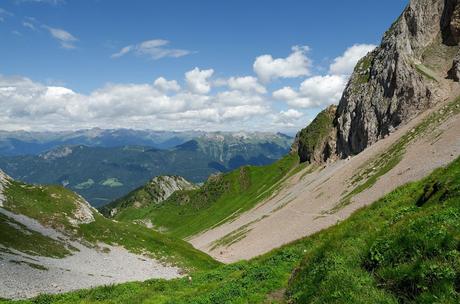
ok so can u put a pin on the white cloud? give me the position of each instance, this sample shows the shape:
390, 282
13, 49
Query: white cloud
154, 49
291, 114
4, 14
243, 111
344, 65
52, 2
201, 102
66, 39
288, 119
29, 105
235, 97
197, 80
285, 93
317, 91
295, 65
246, 83
166, 85
29, 25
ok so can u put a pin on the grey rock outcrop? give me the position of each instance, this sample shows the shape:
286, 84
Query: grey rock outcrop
155, 191
4, 180
401, 77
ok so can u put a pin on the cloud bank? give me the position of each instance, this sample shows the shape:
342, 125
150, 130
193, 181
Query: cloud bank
198, 101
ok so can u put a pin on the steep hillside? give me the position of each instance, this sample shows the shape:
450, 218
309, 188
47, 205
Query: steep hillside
54, 241
398, 119
402, 249
102, 174
309, 201
221, 198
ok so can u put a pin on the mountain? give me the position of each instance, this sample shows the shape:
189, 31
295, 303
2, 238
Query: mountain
14, 143
398, 120
102, 174
364, 208
159, 189
402, 137
222, 197
413, 69
52, 240
402, 249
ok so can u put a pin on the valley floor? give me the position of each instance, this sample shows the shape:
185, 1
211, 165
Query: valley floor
310, 202
25, 275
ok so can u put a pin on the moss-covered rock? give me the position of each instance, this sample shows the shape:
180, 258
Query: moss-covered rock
316, 142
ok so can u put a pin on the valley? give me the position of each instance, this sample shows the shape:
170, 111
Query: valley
102, 174
361, 206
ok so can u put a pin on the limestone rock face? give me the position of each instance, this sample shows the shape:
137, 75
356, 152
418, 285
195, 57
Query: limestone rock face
167, 185
401, 77
156, 191
4, 180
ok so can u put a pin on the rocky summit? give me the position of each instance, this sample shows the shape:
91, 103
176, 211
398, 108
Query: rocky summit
411, 70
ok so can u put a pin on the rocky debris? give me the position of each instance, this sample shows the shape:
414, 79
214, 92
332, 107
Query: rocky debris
86, 267
394, 83
4, 180
83, 213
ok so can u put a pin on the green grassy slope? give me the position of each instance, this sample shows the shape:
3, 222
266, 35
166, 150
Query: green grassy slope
223, 196
53, 205
405, 248
14, 235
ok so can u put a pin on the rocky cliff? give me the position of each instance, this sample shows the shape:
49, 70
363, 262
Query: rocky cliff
410, 71
402, 77
316, 142
4, 180
154, 192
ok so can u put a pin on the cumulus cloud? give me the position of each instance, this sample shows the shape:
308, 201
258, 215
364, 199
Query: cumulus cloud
288, 119
323, 90
317, 91
162, 104
344, 65
66, 39
198, 80
246, 83
201, 102
236, 97
295, 65
154, 49
166, 85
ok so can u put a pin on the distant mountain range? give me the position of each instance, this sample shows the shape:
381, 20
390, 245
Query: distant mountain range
103, 165
22, 142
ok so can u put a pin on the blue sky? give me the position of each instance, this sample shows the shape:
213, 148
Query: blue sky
77, 64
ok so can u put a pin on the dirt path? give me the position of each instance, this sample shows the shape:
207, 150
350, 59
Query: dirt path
302, 207
86, 268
